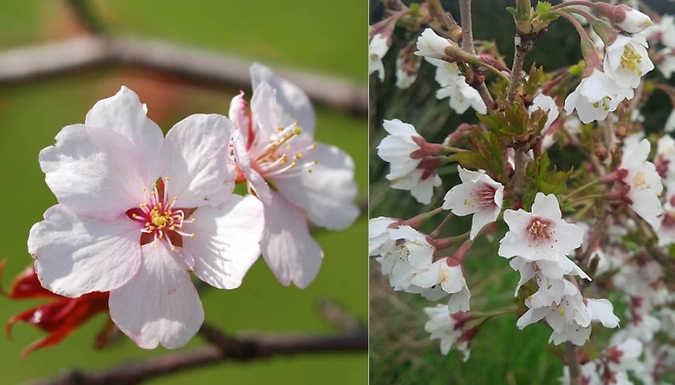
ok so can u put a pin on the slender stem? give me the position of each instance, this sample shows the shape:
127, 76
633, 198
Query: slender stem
581, 188
576, 377
599, 227
522, 47
467, 30
583, 3
467, 45
438, 229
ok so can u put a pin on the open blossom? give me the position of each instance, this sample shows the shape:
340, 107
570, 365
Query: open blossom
137, 212
626, 60
378, 47
453, 85
295, 177
445, 276
450, 329
596, 96
411, 253
541, 234
408, 171
379, 241
644, 182
478, 194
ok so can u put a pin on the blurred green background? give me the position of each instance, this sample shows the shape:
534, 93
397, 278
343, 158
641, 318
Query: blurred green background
303, 34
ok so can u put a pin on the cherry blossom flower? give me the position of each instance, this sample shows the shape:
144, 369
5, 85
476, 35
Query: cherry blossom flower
541, 234
378, 47
410, 167
137, 212
60, 317
478, 194
624, 17
444, 276
644, 182
450, 329
596, 96
295, 177
453, 85
379, 241
412, 253
430, 45
626, 60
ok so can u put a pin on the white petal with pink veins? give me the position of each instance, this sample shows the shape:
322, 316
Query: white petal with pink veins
79, 255
94, 171
293, 102
288, 248
327, 192
227, 241
125, 114
194, 158
159, 305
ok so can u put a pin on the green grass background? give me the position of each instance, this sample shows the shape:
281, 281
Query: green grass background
318, 36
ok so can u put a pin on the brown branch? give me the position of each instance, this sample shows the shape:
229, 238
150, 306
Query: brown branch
222, 349
204, 67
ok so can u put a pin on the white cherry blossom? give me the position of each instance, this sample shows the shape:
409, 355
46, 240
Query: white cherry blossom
411, 253
547, 104
378, 47
448, 328
478, 194
626, 60
430, 45
407, 172
596, 96
453, 85
644, 182
541, 234
443, 278
138, 211
295, 177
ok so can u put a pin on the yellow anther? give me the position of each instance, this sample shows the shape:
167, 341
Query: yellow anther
297, 131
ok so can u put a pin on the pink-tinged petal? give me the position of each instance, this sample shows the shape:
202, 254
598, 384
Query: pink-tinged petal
195, 156
264, 108
78, 255
288, 248
240, 117
328, 191
243, 159
227, 241
95, 172
294, 103
159, 305
125, 114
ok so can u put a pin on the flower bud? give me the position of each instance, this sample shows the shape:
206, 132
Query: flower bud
624, 17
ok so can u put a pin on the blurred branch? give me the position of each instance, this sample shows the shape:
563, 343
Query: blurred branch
85, 16
224, 348
204, 67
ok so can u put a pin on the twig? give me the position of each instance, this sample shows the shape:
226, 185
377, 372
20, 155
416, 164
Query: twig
573, 363
222, 349
207, 68
467, 46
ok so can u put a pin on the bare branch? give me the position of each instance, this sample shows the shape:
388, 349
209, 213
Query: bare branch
222, 349
208, 68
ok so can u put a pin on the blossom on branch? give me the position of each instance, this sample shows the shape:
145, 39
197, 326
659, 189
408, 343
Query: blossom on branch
377, 48
138, 211
295, 177
626, 60
450, 329
412, 165
596, 96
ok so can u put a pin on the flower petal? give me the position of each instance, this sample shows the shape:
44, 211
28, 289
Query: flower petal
327, 193
94, 171
293, 102
125, 114
159, 305
195, 156
288, 248
77, 255
227, 241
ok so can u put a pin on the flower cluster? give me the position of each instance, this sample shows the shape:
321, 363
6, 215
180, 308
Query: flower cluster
138, 211
557, 169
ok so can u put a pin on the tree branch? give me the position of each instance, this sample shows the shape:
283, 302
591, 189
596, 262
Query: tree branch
195, 65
